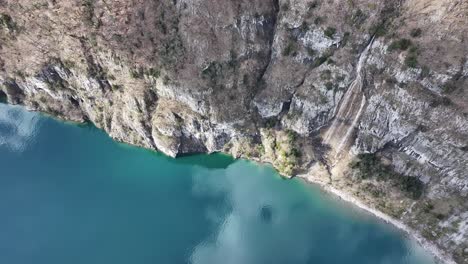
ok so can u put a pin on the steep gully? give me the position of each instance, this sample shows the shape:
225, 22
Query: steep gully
339, 134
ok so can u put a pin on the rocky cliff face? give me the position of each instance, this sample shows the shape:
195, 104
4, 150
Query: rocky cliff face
368, 96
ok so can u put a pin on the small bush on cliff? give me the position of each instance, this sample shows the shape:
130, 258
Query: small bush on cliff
323, 58
116, 87
313, 5
425, 71
296, 153
325, 75
320, 60
411, 60
153, 73
88, 11
260, 149
378, 30
330, 32
68, 64
416, 32
401, 44
449, 87
311, 52
329, 86
7, 22
166, 80
212, 71
291, 136
318, 20
290, 49
358, 17
271, 123
137, 73
304, 26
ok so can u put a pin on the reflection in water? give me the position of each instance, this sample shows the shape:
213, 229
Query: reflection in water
72, 195
269, 222
17, 126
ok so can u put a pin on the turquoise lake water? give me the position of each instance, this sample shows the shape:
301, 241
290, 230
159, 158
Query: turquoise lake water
71, 195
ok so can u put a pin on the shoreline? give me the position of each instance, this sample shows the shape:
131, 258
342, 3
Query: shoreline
432, 249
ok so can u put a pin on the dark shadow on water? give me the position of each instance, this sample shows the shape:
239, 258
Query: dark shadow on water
3, 97
266, 213
209, 161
